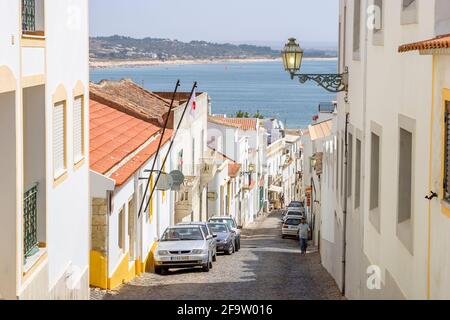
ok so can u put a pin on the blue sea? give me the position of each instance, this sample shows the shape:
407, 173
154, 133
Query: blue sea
247, 86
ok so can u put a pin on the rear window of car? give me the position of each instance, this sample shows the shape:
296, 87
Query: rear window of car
294, 213
218, 227
229, 222
183, 234
293, 222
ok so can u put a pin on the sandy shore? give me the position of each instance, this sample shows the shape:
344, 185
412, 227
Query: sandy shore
96, 64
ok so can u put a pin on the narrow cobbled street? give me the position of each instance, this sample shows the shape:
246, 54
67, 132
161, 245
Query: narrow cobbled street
266, 267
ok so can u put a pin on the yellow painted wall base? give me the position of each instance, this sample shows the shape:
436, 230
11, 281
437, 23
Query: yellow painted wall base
148, 265
122, 274
98, 274
99, 271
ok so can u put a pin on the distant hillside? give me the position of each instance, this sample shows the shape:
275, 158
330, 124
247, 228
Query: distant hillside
126, 48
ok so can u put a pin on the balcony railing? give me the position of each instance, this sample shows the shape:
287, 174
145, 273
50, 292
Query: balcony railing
33, 17
29, 16
30, 222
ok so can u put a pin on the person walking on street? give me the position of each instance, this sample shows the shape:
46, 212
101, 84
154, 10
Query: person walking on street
304, 235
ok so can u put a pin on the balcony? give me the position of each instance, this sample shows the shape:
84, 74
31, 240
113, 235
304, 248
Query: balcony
30, 222
33, 19
208, 170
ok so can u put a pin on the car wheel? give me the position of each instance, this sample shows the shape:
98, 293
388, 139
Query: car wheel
206, 267
214, 259
158, 270
230, 250
283, 236
236, 246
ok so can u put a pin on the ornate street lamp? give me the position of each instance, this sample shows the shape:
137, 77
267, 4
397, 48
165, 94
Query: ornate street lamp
292, 55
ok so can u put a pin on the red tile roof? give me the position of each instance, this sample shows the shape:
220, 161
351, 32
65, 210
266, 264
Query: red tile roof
233, 169
441, 42
245, 124
128, 97
115, 135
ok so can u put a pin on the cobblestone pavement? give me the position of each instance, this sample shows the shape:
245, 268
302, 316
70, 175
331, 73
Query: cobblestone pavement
266, 267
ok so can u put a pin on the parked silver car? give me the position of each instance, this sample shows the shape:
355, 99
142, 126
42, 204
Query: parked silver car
210, 236
233, 225
183, 247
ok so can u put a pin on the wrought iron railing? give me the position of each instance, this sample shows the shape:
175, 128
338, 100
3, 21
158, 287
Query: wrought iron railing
30, 222
28, 16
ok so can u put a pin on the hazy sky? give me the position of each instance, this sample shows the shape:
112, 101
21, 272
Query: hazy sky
217, 20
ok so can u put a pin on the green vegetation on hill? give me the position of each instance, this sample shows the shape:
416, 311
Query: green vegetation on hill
126, 48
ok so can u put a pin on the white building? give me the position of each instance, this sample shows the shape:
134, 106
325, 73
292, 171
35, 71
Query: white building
396, 240
44, 222
123, 149
191, 156
242, 141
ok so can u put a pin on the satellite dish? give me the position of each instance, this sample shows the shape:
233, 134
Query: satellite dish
177, 179
165, 182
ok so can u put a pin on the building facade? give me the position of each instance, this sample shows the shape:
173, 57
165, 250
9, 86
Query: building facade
390, 153
44, 117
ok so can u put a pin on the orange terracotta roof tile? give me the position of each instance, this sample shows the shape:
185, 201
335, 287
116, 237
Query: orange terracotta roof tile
115, 135
441, 42
128, 97
245, 124
233, 169
133, 165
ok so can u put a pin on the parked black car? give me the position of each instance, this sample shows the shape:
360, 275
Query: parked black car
225, 237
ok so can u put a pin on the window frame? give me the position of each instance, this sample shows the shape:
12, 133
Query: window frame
79, 162
58, 178
410, 13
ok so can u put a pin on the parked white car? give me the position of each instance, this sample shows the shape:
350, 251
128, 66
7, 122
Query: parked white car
290, 227
183, 247
292, 213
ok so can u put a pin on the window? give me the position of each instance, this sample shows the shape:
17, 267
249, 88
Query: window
409, 12
150, 202
131, 214
375, 172
358, 174
442, 17
378, 34
356, 29
121, 238
405, 176
342, 169
337, 165
78, 130
33, 19
405, 196
447, 152
350, 166
59, 140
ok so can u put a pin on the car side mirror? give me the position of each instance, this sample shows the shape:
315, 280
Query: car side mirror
214, 235
239, 228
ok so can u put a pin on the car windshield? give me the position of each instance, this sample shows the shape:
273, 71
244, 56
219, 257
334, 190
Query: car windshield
229, 222
293, 222
218, 227
295, 205
183, 234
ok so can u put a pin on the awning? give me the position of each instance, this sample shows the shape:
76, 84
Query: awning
321, 130
276, 189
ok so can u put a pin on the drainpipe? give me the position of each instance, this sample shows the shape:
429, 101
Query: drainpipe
344, 212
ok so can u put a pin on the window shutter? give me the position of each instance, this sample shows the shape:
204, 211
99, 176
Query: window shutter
78, 128
59, 158
447, 152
